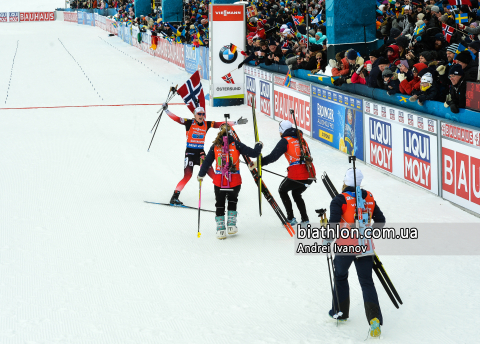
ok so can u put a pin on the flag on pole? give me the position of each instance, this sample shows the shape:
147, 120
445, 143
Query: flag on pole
461, 18
318, 18
447, 32
419, 29
461, 48
297, 20
192, 92
228, 78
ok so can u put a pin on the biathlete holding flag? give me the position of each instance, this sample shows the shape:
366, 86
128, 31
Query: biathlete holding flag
235, 149
196, 131
297, 171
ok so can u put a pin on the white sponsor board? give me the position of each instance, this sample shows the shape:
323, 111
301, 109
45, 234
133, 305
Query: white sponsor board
402, 143
227, 40
286, 99
262, 91
461, 165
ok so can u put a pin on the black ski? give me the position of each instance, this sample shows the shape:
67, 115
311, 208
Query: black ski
180, 206
268, 196
377, 264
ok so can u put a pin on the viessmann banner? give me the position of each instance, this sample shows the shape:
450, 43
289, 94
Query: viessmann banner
402, 143
227, 39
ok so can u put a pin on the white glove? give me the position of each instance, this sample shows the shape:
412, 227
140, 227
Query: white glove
253, 165
461, 26
441, 69
369, 67
408, 36
332, 63
200, 178
401, 77
446, 105
360, 69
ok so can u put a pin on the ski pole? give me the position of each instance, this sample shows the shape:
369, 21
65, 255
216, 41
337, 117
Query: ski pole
199, 206
293, 180
174, 90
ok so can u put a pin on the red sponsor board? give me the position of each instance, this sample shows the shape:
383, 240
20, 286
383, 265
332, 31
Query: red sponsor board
227, 13
460, 134
461, 175
285, 100
37, 16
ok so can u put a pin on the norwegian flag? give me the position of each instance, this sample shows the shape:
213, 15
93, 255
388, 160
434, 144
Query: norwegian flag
459, 2
192, 92
303, 40
228, 78
447, 32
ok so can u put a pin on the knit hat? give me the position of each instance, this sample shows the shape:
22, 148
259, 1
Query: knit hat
382, 60
435, 9
375, 53
405, 63
272, 41
198, 109
427, 55
427, 77
420, 16
453, 48
349, 180
284, 125
394, 32
352, 54
387, 73
456, 69
475, 45
439, 37
464, 57
402, 41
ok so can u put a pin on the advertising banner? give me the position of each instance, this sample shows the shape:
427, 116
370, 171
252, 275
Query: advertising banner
337, 120
295, 84
191, 59
110, 27
403, 144
13, 17
37, 16
81, 18
286, 99
227, 39
89, 19
70, 17
461, 165
259, 73
3, 17
262, 90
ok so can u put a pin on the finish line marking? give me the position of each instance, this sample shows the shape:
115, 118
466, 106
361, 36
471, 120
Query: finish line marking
83, 106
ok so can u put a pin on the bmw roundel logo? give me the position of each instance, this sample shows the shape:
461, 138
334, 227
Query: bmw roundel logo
226, 54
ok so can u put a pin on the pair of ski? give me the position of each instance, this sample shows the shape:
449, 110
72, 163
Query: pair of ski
377, 264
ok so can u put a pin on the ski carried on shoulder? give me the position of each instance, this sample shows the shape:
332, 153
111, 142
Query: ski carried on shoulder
377, 264
180, 206
259, 159
268, 196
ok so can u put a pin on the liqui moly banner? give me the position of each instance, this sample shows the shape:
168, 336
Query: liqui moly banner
37, 16
461, 165
403, 144
286, 99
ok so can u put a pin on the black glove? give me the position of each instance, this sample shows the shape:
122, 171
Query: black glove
241, 64
339, 82
164, 106
242, 120
454, 107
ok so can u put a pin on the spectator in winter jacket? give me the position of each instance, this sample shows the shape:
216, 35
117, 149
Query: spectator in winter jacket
404, 68
374, 79
457, 96
470, 68
427, 91
390, 82
321, 63
359, 76
393, 56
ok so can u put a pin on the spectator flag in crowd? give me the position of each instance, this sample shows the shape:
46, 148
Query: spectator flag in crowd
200, 40
447, 32
419, 29
460, 2
297, 20
228, 78
461, 18
114, 24
318, 18
233, 48
288, 78
252, 11
303, 40
461, 48
192, 92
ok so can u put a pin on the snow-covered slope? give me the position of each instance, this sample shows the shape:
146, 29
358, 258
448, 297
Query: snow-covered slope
84, 260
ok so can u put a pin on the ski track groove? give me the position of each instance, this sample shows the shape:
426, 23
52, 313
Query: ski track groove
11, 72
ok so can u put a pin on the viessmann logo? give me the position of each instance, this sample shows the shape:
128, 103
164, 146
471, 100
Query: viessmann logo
225, 12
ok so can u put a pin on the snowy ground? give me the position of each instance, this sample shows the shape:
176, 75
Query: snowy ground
84, 260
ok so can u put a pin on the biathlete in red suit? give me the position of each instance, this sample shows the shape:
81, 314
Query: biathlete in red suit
236, 149
196, 131
342, 211
297, 171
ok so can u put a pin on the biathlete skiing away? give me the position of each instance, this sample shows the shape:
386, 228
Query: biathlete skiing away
227, 182
297, 175
196, 130
342, 211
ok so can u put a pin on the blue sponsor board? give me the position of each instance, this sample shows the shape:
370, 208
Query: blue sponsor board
81, 18
416, 154
202, 59
191, 59
338, 121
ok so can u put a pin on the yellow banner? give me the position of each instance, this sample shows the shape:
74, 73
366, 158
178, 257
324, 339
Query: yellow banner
326, 136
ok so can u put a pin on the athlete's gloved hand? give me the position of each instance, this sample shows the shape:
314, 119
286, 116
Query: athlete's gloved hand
200, 178
242, 120
253, 165
164, 106
259, 143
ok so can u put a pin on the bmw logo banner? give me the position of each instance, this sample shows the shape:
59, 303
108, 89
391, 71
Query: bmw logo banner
227, 40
